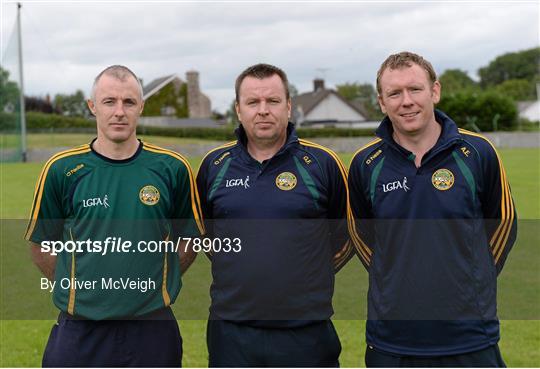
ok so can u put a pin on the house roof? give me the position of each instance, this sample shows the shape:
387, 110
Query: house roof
529, 110
309, 100
157, 85
524, 105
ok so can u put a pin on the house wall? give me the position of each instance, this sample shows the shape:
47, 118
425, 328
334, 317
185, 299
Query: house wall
532, 113
333, 108
169, 101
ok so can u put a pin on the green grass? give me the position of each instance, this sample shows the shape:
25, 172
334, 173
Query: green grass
22, 341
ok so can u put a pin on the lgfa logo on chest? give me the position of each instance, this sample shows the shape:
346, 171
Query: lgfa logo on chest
237, 182
96, 201
396, 185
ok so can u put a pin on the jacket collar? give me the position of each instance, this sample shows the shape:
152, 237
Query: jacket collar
449, 132
292, 138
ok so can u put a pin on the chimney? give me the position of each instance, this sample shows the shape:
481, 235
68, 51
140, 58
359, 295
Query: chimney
318, 84
193, 92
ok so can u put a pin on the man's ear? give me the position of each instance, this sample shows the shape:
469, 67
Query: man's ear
289, 108
436, 92
237, 108
91, 106
381, 104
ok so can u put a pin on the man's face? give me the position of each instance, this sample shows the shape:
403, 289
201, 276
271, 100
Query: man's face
263, 109
117, 107
408, 98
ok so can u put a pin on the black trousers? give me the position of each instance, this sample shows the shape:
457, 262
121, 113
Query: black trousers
487, 358
237, 345
150, 341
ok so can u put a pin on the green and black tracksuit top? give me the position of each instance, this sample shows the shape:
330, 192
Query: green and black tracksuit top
81, 195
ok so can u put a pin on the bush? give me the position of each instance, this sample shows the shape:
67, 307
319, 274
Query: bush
206, 133
335, 132
227, 134
486, 110
39, 121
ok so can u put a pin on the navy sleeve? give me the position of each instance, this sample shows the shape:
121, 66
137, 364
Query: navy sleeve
202, 186
203, 189
360, 212
497, 207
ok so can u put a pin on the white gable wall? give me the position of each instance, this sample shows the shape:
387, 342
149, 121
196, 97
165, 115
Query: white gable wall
333, 108
532, 113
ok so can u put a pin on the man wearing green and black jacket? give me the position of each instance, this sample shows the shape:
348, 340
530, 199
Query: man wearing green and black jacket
112, 198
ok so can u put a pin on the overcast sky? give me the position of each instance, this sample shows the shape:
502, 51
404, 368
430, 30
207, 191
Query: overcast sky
65, 44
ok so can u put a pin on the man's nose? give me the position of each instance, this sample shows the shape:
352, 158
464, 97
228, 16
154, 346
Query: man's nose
407, 99
263, 108
119, 109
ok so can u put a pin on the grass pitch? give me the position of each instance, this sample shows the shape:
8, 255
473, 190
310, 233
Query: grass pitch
22, 341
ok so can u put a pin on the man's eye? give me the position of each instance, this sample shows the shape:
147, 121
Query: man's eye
393, 94
108, 102
274, 102
251, 103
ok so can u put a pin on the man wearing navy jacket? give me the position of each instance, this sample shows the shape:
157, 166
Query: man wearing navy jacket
433, 221
285, 199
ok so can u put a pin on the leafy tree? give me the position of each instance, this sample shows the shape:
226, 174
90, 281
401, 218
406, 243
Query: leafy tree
349, 91
486, 111
293, 91
517, 89
217, 115
362, 94
73, 105
456, 80
495, 112
355, 90
516, 65
39, 104
232, 118
171, 97
9, 91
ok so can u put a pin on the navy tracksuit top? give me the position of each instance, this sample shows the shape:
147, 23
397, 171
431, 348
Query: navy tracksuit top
290, 214
433, 239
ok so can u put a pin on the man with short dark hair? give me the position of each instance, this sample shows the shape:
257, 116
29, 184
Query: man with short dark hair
285, 199
433, 221
114, 301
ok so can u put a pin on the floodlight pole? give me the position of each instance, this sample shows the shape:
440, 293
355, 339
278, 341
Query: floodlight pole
21, 88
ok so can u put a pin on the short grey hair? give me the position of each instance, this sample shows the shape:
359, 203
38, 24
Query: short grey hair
120, 72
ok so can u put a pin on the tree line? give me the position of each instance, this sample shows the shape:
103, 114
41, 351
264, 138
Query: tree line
484, 105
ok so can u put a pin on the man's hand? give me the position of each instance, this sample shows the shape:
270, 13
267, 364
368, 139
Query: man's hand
44, 261
187, 256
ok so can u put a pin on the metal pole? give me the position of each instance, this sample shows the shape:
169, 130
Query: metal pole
21, 88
